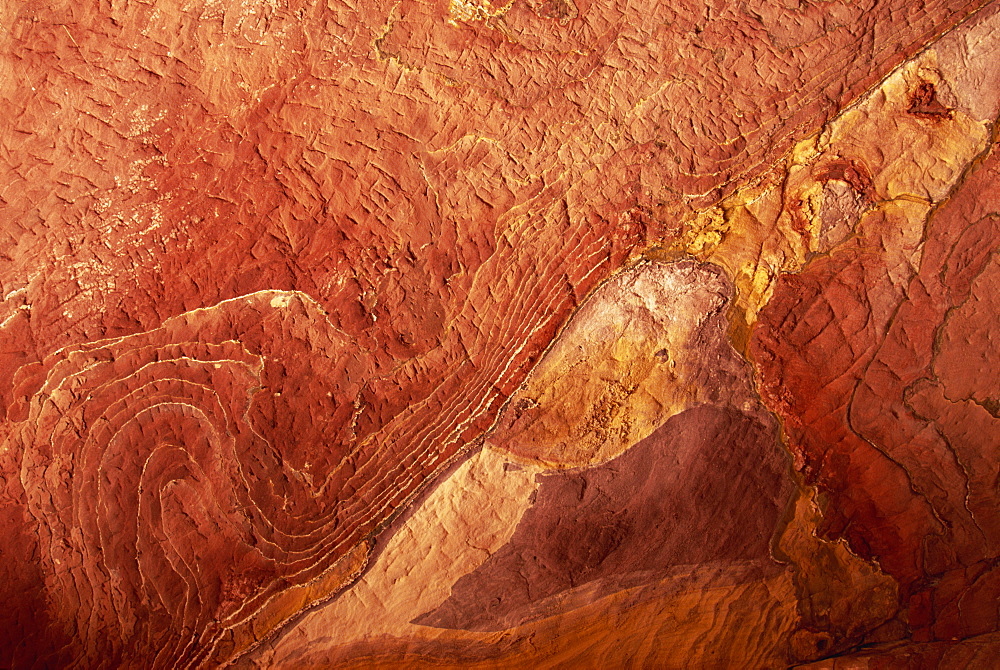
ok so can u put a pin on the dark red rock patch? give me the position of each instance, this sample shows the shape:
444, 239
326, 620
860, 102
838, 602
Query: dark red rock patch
708, 487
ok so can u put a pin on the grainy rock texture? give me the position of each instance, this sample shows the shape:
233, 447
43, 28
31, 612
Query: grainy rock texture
563, 333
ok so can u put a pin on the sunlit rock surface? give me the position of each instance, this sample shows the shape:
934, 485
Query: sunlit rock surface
537, 334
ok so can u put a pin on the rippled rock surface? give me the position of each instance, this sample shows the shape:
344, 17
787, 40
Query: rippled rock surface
537, 334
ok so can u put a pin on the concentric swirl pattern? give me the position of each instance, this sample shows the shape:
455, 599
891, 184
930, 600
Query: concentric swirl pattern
184, 488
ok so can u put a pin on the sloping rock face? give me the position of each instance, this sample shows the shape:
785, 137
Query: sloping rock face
887, 381
541, 334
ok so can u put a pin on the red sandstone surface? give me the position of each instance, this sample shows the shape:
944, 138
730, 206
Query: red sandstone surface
569, 333
887, 379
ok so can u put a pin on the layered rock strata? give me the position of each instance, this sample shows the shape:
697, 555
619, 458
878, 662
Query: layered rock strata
542, 334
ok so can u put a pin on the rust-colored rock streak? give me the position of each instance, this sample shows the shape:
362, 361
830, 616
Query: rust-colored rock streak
269, 270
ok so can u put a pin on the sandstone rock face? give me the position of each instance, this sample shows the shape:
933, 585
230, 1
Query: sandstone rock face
891, 382
543, 334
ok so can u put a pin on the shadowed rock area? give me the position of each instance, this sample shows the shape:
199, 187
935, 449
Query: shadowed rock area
631, 520
452, 333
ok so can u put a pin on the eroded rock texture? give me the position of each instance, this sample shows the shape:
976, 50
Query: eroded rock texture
565, 333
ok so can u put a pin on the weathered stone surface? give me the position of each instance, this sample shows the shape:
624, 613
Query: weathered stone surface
976, 653
633, 521
887, 404
639, 528
877, 357
651, 343
451, 333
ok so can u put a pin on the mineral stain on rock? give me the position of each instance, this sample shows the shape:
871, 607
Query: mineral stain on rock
457, 333
925, 104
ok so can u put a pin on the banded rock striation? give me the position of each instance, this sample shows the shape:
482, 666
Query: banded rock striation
530, 335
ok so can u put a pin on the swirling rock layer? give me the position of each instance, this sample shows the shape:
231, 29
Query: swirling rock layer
521, 335
148, 458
